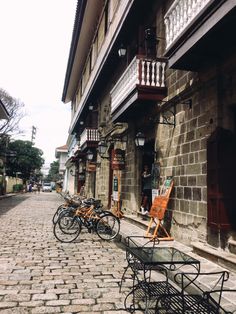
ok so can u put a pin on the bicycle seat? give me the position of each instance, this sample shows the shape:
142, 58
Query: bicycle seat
87, 203
97, 203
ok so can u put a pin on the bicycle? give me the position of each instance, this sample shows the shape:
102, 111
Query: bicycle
90, 215
70, 201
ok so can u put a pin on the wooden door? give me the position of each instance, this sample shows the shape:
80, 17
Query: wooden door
221, 158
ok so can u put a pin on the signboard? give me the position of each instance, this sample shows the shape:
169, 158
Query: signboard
160, 202
91, 167
118, 159
115, 189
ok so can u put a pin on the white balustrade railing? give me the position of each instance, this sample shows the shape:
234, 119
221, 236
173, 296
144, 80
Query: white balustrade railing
89, 135
140, 72
180, 15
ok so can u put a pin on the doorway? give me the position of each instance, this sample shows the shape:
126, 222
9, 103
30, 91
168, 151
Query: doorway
221, 173
146, 186
148, 154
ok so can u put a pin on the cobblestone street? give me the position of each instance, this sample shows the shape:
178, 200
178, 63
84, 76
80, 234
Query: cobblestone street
38, 274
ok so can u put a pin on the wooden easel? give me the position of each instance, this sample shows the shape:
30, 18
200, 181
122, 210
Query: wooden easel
157, 212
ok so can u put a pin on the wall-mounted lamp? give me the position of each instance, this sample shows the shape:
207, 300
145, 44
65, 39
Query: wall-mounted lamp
90, 107
139, 139
105, 143
89, 155
81, 122
150, 35
122, 51
151, 41
102, 148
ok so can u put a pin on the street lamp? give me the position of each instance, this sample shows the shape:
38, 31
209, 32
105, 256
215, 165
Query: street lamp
102, 148
139, 139
122, 51
89, 155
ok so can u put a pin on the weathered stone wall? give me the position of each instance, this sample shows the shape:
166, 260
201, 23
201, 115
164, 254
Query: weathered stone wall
102, 182
131, 193
182, 153
182, 150
103, 169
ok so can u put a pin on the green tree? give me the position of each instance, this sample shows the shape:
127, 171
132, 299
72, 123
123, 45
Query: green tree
25, 159
9, 126
53, 174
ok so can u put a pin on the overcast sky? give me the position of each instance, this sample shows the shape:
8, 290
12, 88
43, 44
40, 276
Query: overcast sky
35, 41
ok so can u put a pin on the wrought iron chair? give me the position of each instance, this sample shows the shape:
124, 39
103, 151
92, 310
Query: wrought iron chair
226, 305
145, 288
201, 296
135, 241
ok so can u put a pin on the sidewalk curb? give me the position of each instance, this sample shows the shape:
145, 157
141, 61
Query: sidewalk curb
7, 195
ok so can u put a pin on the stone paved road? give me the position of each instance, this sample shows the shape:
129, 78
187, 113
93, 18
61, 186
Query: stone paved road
38, 274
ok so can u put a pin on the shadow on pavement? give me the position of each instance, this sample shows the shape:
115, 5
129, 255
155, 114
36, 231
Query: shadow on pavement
7, 204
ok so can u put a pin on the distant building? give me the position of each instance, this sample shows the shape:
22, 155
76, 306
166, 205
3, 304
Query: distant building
3, 111
61, 153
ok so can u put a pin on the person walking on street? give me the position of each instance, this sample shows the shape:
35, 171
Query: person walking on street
38, 187
30, 187
34, 188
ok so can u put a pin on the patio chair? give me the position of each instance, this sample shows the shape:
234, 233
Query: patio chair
227, 306
135, 241
145, 286
200, 294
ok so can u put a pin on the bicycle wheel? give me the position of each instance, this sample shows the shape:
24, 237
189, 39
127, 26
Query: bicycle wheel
67, 228
108, 227
60, 209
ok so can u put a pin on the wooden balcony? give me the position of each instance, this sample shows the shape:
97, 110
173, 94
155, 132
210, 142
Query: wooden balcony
198, 32
179, 17
89, 138
143, 79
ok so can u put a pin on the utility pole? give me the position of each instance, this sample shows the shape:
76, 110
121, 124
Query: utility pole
33, 134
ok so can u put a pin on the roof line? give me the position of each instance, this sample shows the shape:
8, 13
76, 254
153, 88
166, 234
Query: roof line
81, 4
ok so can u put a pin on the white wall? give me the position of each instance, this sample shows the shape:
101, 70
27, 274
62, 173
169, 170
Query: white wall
10, 181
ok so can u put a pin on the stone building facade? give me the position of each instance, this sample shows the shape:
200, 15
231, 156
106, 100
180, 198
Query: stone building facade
175, 85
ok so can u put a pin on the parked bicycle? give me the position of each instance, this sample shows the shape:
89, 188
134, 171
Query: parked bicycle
70, 201
89, 214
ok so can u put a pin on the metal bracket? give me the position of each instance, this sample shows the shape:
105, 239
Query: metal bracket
168, 117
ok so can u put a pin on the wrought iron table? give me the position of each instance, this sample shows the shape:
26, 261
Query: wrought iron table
168, 257
143, 260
